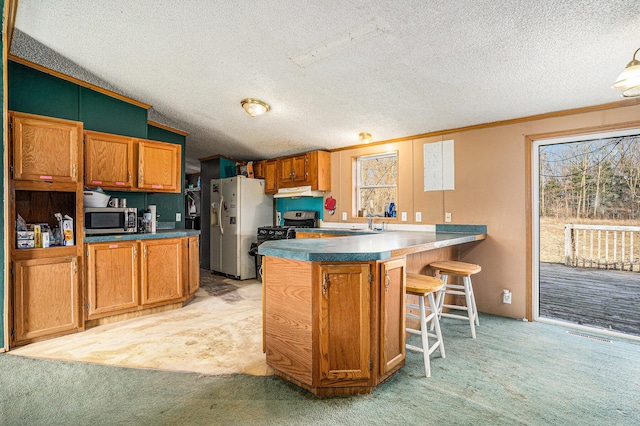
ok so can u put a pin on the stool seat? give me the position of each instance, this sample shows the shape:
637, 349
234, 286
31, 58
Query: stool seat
425, 287
421, 285
453, 267
463, 271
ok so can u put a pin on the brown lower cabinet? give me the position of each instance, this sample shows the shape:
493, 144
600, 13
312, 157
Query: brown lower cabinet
112, 278
129, 276
303, 234
161, 271
334, 328
193, 262
45, 298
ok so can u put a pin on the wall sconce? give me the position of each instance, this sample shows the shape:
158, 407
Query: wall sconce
254, 107
629, 80
364, 137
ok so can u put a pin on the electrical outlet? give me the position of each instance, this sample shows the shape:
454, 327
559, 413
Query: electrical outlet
447, 217
418, 216
178, 217
344, 215
506, 297
404, 216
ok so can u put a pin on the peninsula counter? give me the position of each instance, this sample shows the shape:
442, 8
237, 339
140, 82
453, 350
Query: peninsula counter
334, 308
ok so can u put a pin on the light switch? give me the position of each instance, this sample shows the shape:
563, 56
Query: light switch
178, 217
447, 217
404, 216
418, 216
344, 215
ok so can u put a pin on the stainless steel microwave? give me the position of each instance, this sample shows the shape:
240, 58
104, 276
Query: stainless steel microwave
110, 220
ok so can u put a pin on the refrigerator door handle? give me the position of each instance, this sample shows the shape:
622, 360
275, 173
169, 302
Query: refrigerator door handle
220, 214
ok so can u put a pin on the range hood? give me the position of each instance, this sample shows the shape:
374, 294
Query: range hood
300, 191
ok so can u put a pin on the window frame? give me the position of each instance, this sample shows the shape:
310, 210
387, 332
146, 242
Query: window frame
358, 177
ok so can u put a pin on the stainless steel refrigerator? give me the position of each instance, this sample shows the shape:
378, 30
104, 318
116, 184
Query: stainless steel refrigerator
238, 207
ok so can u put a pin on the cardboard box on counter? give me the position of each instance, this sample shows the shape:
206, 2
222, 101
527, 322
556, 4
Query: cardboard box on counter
24, 243
24, 235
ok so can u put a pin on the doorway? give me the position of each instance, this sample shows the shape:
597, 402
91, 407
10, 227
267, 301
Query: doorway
586, 231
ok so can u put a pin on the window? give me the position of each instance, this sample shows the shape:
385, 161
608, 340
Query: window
376, 186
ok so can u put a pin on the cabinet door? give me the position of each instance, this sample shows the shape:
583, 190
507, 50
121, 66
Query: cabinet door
345, 349
46, 149
45, 298
292, 171
108, 160
258, 169
270, 177
159, 166
161, 271
112, 278
392, 314
194, 265
308, 235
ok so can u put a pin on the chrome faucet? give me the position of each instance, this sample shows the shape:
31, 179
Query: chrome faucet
370, 222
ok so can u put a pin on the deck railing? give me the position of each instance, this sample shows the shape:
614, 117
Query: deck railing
602, 246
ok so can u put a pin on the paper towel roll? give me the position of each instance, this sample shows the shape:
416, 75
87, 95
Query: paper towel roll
154, 218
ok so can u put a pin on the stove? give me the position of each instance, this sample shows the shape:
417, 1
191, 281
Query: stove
292, 220
266, 233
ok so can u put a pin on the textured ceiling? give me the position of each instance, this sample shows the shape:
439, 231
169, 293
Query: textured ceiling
333, 68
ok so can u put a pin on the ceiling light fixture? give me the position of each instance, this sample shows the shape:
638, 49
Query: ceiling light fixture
365, 137
629, 80
254, 106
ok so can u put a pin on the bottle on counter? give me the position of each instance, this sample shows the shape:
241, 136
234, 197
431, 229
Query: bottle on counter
147, 220
386, 208
392, 208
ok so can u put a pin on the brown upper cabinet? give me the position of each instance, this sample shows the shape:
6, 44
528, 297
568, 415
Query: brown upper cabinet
45, 149
270, 176
310, 169
258, 169
109, 160
125, 163
293, 171
159, 166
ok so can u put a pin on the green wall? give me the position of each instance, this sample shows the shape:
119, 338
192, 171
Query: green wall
103, 113
35, 92
315, 204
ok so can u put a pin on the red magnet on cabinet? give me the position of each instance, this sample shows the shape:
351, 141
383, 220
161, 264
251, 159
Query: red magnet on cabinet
330, 204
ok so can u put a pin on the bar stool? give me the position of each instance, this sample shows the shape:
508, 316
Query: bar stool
458, 269
424, 287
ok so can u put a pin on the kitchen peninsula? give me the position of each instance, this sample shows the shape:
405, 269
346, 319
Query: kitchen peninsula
334, 308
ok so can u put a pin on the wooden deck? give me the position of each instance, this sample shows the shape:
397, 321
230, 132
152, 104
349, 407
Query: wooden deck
591, 297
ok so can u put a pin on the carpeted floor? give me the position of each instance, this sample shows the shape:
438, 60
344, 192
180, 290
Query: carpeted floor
513, 373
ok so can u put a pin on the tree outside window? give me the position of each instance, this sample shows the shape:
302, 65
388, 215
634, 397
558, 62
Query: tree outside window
376, 187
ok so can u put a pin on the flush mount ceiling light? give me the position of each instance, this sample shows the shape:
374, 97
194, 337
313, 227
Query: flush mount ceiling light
254, 106
364, 137
629, 80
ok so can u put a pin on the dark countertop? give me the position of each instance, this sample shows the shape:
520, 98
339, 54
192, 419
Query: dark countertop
364, 245
161, 233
